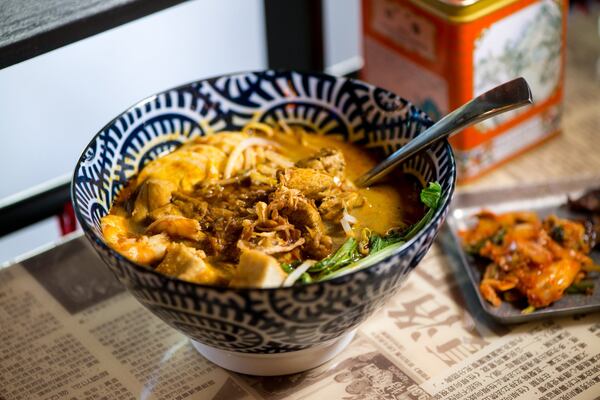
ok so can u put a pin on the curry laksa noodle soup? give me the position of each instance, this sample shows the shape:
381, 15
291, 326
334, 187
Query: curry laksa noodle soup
264, 207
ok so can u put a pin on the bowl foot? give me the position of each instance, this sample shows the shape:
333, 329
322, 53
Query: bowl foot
278, 363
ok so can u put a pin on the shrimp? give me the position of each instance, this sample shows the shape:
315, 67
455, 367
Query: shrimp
177, 226
143, 249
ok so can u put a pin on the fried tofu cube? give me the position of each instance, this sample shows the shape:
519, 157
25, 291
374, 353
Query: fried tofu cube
153, 194
259, 270
188, 264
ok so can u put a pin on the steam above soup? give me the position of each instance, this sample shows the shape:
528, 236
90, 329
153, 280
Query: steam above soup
263, 207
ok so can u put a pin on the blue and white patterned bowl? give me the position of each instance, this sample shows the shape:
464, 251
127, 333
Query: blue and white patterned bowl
244, 325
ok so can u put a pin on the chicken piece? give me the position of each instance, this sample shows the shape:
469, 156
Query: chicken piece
543, 286
190, 265
166, 210
259, 270
311, 183
120, 235
185, 167
303, 214
190, 206
332, 207
318, 245
327, 159
177, 226
153, 194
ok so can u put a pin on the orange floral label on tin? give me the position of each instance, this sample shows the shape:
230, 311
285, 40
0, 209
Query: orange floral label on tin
439, 65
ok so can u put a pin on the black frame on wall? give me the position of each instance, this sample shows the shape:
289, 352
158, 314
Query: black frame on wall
294, 34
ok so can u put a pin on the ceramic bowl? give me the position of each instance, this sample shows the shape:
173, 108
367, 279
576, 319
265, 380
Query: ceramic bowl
246, 330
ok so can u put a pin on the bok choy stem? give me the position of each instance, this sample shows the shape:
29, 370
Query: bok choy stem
347, 253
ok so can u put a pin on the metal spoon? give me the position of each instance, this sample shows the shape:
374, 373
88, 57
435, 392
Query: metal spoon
506, 97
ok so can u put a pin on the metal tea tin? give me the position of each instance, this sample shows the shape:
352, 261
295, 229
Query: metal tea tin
442, 53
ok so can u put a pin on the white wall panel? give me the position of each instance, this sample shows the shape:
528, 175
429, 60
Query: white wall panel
51, 105
342, 36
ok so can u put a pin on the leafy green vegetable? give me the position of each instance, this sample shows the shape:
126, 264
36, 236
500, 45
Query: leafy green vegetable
510, 296
498, 237
347, 253
591, 268
378, 242
347, 257
580, 287
431, 195
306, 278
558, 234
528, 310
475, 248
363, 262
287, 268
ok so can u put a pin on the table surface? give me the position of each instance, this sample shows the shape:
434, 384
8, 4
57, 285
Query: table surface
426, 337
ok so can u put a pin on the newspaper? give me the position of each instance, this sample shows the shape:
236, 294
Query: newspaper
70, 331
548, 360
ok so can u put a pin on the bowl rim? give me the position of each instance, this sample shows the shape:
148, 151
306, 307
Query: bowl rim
91, 234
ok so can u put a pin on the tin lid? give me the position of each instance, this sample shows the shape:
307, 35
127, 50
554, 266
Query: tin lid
461, 11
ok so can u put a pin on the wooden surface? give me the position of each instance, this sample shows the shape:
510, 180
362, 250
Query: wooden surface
32, 27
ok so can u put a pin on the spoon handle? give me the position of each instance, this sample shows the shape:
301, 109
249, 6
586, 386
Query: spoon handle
506, 97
